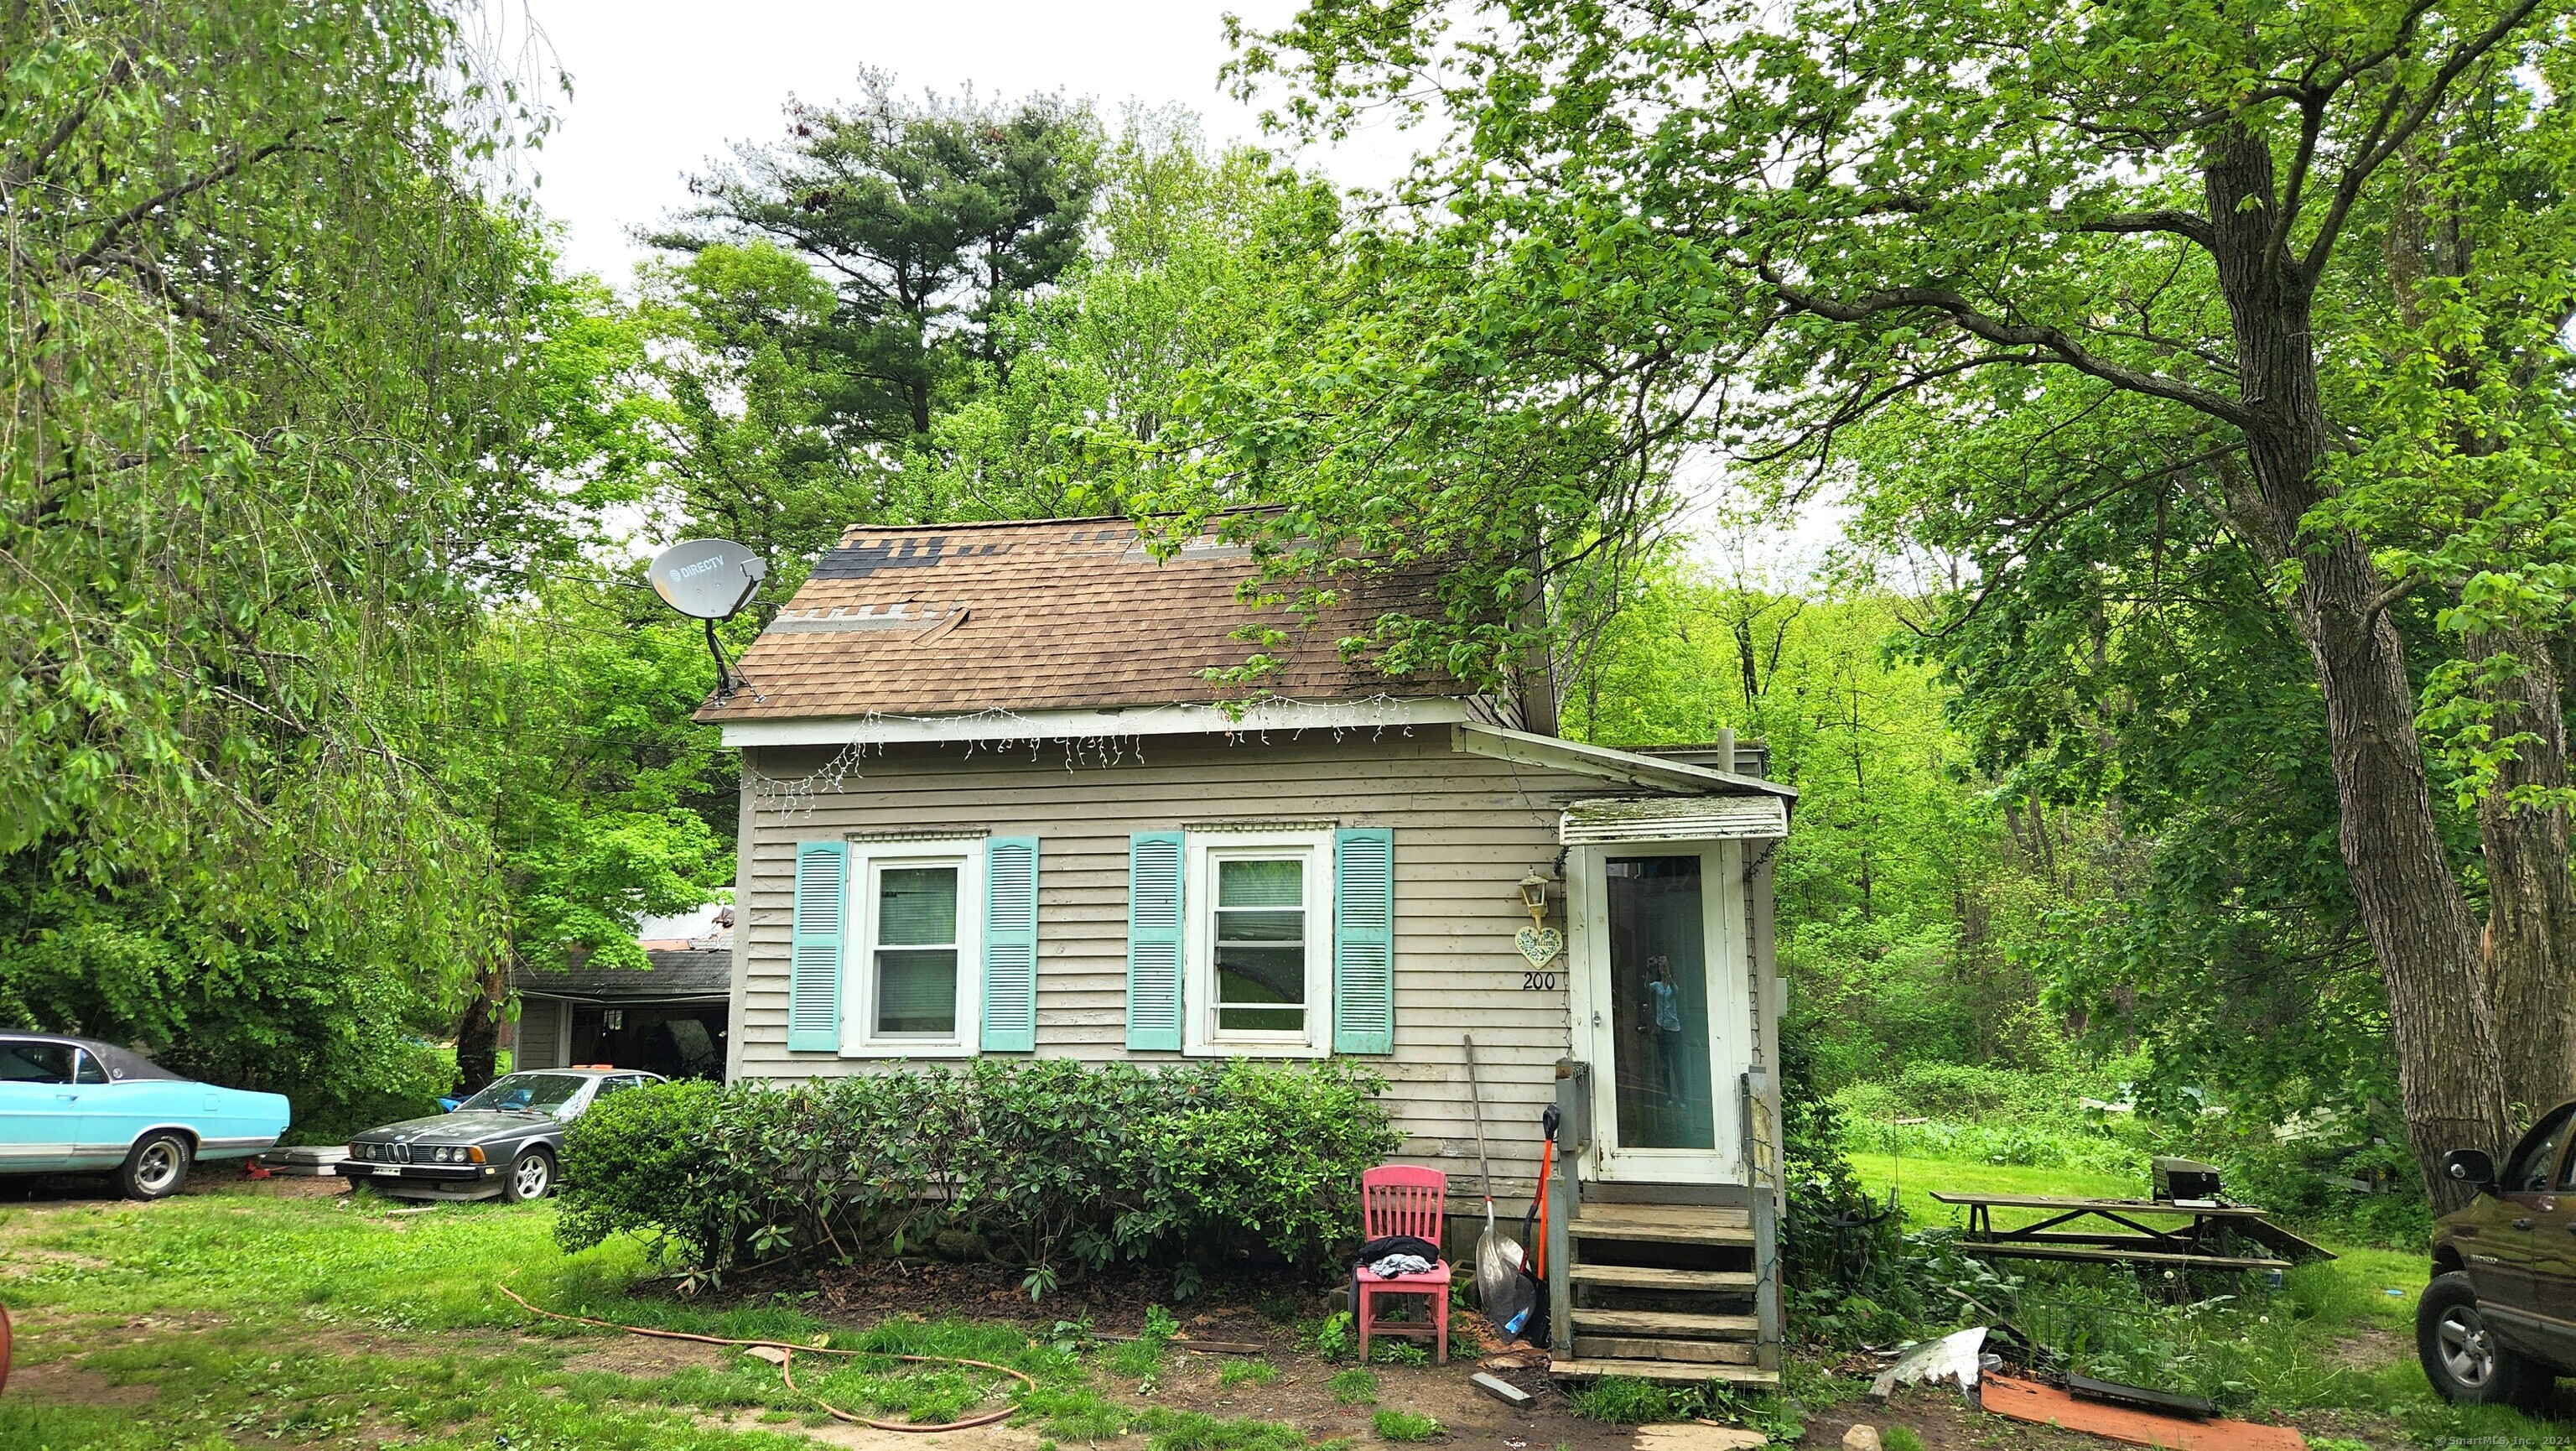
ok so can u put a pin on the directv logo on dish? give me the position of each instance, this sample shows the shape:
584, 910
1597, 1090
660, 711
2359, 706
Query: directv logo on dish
692, 571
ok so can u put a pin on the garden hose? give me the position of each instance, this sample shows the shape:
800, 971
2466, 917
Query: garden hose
787, 1367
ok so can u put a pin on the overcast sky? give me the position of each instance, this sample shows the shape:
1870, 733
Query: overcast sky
660, 86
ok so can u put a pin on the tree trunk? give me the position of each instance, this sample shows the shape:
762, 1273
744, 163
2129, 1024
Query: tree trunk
2531, 899
2530, 948
2421, 930
478, 1032
2420, 926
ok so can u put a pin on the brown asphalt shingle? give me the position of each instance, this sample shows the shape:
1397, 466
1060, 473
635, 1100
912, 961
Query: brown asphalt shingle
1052, 614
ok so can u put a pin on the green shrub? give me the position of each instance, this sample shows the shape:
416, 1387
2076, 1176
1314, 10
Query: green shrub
1043, 1164
1900, 1438
1355, 1387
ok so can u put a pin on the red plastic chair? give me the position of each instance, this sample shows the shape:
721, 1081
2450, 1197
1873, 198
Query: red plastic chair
1404, 1199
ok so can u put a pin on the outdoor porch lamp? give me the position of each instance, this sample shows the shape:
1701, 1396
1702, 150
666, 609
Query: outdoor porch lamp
1534, 897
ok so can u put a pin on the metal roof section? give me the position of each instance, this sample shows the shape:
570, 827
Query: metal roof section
1625, 767
1673, 818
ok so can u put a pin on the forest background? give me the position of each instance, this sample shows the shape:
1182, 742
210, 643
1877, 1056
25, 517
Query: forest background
332, 691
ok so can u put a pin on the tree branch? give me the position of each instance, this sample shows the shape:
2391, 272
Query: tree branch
2177, 222
1994, 330
116, 225
2383, 140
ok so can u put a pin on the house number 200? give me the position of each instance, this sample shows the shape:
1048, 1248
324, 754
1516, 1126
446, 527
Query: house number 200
1538, 982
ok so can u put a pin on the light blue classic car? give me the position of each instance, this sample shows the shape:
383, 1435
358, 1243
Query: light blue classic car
69, 1104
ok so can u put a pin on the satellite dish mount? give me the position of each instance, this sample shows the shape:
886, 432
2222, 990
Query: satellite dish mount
710, 580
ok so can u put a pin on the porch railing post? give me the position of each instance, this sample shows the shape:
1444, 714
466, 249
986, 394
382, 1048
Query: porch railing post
1762, 1173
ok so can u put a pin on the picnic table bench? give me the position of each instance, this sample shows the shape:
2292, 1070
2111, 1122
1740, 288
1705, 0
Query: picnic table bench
2114, 1231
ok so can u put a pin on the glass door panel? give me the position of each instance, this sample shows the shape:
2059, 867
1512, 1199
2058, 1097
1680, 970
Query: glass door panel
1659, 1003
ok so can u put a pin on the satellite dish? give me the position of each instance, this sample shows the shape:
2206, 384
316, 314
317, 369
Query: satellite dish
707, 579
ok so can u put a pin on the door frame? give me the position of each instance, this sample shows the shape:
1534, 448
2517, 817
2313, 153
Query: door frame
1728, 962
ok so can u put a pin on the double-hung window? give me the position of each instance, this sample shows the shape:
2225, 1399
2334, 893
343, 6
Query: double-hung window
1260, 943
911, 985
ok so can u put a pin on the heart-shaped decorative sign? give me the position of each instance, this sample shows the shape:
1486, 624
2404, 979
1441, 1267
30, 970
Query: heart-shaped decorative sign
1539, 944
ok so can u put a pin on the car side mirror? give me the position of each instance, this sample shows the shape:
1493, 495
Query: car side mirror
2473, 1167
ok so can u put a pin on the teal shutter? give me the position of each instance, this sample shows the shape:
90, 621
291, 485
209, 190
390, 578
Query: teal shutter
1364, 940
1011, 944
814, 949
1154, 941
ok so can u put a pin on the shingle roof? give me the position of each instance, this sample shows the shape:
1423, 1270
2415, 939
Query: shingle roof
1050, 614
691, 972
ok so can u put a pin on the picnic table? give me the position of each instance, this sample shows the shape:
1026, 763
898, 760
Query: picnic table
2115, 1231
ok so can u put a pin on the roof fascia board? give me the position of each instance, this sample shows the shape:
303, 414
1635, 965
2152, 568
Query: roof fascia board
1142, 720
1525, 749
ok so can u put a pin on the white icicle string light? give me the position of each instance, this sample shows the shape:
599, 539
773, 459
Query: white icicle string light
795, 797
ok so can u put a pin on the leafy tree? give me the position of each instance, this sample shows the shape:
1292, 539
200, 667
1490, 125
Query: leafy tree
2143, 202
930, 219
1903, 892
598, 801
2120, 658
266, 337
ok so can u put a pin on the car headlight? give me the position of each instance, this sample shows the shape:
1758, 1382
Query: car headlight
450, 1156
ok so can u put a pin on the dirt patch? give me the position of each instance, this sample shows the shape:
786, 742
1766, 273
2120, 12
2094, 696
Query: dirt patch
221, 1177
868, 1438
2369, 1350
646, 1358
63, 1381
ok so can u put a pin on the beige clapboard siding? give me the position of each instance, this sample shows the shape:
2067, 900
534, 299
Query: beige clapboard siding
1466, 829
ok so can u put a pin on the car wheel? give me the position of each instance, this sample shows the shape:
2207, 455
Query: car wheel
156, 1168
532, 1175
2461, 1355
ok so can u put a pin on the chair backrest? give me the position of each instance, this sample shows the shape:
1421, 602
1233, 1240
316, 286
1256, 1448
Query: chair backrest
1402, 1199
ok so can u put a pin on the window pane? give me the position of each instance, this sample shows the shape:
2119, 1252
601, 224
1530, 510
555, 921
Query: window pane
1260, 987
917, 906
35, 1063
1261, 884
917, 991
1238, 925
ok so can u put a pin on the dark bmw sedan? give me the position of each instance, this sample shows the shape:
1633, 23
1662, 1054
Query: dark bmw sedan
505, 1140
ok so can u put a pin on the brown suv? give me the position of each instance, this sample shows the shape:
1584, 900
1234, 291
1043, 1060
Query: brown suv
2498, 1323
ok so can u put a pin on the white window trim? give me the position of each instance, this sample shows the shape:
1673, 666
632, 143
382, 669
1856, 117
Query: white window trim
1199, 1035
859, 1038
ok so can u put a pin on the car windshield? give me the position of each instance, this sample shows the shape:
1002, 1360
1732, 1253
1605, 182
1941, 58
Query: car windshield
527, 1093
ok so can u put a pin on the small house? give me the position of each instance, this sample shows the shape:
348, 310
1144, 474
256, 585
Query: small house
995, 801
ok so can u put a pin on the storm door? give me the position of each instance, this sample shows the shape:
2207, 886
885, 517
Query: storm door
1660, 998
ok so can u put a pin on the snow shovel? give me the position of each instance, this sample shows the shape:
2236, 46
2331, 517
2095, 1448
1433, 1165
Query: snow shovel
1501, 1285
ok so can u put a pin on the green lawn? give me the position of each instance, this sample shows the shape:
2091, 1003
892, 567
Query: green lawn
218, 1321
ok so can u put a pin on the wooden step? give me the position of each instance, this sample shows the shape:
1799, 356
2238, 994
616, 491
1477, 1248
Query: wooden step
1664, 1224
1666, 1323
1743, 1375
1702, 1352
1643, 1277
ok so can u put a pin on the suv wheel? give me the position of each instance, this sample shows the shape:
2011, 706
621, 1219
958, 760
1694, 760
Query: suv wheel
2461, 1355
531, 1175
156, 1168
